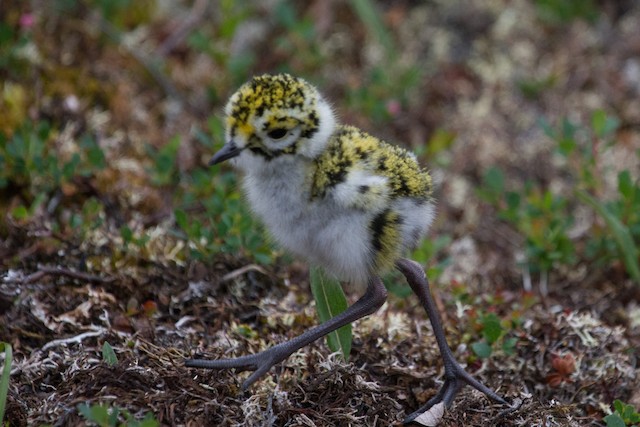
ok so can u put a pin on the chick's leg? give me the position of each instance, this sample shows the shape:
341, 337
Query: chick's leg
260, 363
455, 377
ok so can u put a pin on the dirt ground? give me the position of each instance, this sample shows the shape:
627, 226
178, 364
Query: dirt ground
63, 296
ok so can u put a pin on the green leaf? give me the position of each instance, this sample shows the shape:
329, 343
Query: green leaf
598, 120
99, 414
440, 140
84, 410
95, 155
491, 328
20, 212
614, 420
149, 421
625, 185
4, 379
568, 129
108, 355
482, 349
113, 417
126, 234
492, 188
621, 234
331, 301
627, 413
285, 14
494, 180
566, 146
6, 36
181, 219
513, 200
509, 345
165, 161
215, 126
602, 124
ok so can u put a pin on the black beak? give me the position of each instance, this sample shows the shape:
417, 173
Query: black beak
228, 151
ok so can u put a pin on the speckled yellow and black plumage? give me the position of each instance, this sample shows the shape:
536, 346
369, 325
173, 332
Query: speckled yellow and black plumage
281, 92
337, 196
338, 179
350, 147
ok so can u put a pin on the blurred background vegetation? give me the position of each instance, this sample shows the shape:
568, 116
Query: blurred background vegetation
109, 109
526, 113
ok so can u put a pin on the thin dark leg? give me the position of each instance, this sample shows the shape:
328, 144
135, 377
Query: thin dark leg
260, 363
455, 377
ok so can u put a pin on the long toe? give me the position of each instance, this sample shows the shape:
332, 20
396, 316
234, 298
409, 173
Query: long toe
456, 378
464, 377
260, 363
243, 363
434, 401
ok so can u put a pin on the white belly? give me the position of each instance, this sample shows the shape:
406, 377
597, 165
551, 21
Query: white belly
319, 231
324, 231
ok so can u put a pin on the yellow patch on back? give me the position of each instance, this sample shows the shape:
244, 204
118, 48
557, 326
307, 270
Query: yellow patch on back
350, 147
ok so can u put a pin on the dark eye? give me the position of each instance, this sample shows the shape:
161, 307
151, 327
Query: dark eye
277, 133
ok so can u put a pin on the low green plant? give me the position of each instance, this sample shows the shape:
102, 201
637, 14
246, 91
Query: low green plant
298, 39
30, 162
216, 41
104, 416
386, 87
494, 334
108, 354
623, 415
331, 301
226, 225
32, 168
495, 328
545, 217
14, 41
541, 216
210, 214
580, 145
429, 252
4, 379
560, 12
532, 88
131, 238
625, 246
125, 14
581, 148
164, 169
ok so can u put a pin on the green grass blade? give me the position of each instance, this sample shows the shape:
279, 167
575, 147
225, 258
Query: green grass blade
4, 380
368, 13
331, 301
620, 233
